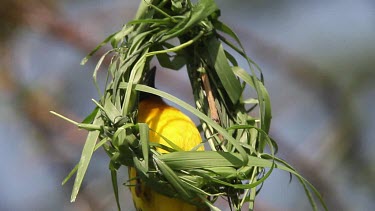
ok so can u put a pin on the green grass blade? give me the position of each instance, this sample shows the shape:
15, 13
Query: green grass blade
172, 178
74, 170
94, 75
105, 41
71, 173
202, 159
115, 186
137, 70
144, 138
111, 111
86, 155
227, 30
171, 143
199, 12
176, 63
90, 118
217, 56
264, 103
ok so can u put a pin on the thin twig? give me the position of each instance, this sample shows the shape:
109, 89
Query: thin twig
210, 98
211, 104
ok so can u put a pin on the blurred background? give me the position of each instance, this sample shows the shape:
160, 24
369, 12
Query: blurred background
317, 57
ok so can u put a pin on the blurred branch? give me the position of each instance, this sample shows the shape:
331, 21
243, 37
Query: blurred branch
43, 16
35, 104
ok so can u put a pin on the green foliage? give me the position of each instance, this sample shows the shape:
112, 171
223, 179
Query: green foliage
237, 162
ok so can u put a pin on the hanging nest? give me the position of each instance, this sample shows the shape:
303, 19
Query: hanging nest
241, 155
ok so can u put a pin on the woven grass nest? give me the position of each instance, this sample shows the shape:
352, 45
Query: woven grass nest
240, 156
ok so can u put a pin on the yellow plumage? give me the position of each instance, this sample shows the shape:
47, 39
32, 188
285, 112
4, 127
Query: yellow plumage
176, 127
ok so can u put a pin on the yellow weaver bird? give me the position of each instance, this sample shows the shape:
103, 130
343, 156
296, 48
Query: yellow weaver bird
174, 125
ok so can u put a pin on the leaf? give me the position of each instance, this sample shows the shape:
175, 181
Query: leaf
86, 155
90, 118
226, 29
84, 60
177, 62
111, 111
71, 173
201, 159
199, 12
119, 36
171, 143
266, 103
250, 101
114, 185
74, 170
129, 94
231, 58
260, 91
218, 59
155, 21
144, 138
172, 178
